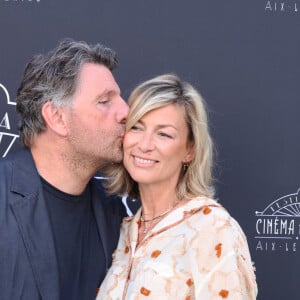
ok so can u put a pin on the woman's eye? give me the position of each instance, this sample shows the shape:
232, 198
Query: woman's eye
135, 128
163, 134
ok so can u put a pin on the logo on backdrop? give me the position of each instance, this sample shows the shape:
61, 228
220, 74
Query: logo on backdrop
278, 225
22, 1
287, 6
7, 137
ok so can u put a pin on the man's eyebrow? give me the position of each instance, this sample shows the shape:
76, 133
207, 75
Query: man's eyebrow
104, 94
108, 92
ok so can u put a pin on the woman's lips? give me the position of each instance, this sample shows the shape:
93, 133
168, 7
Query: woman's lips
144, 161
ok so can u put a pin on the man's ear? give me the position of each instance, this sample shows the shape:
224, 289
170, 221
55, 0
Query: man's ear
54, 118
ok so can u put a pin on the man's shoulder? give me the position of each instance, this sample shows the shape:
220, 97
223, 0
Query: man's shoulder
19, 173
20, 160
5, 165
19, 155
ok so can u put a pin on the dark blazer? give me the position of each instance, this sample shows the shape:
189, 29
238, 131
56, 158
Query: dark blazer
28, 263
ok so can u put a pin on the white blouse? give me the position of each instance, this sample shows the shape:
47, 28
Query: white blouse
198, 251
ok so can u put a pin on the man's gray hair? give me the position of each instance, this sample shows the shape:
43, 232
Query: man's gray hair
54, 77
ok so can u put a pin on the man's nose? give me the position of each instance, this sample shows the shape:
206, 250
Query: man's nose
123, 110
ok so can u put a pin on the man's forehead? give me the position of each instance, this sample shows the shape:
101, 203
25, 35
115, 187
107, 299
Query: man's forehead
98, 74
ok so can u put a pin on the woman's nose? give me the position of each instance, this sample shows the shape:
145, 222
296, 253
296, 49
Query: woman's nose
146, 143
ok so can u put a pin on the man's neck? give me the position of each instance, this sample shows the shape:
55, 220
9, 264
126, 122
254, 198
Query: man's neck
60, 173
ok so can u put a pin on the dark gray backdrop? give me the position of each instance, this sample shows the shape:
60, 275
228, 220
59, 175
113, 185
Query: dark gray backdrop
243, 56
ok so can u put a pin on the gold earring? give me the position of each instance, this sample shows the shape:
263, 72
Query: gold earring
185, 166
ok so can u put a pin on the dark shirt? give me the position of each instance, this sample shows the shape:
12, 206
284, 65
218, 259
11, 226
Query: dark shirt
78, 245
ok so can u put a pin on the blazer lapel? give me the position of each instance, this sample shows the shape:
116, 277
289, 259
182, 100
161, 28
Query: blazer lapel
32, 217
101, 221
109, 212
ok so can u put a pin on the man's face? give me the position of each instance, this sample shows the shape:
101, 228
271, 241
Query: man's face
96, 117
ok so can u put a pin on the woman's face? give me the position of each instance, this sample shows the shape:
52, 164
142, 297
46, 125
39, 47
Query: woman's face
156, 147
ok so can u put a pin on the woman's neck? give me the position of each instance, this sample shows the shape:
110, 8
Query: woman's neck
156, 201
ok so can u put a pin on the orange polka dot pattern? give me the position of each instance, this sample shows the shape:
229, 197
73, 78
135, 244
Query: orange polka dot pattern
145, 291
218, 249
197, 252
155, 253
224, 293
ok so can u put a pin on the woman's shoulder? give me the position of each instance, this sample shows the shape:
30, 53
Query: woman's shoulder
213, 214
207, 207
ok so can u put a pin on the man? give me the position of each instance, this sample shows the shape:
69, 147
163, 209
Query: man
57, 227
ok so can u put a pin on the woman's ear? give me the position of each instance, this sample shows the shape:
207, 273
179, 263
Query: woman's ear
54, 118
190, 155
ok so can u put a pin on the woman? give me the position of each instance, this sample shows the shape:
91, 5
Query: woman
181, 244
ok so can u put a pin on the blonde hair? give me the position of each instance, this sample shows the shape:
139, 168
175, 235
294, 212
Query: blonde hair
195, 179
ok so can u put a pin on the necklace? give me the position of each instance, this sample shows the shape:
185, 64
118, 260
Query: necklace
157, 217
143, 220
